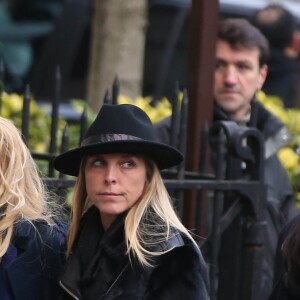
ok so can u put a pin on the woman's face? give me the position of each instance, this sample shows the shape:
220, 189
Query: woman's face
114, 183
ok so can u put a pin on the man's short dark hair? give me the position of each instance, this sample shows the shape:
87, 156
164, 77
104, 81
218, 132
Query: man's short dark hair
240, 34
277, 24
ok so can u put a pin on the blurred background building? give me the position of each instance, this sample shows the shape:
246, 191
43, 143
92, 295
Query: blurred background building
35, 36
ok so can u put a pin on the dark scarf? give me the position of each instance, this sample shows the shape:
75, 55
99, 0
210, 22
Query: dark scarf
97, 256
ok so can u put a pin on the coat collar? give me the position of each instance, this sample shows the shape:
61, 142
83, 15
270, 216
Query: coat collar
91, 234
93, 249
113, 240
260, 118
275, 134
107, 258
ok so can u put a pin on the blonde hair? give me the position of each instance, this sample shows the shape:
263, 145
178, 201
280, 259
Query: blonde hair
22, 193
150, 221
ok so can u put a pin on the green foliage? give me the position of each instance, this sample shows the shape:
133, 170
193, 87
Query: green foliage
290, 118
40, 124
287, 155
12, 105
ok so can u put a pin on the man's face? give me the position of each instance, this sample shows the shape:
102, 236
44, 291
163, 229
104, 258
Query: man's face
237, 77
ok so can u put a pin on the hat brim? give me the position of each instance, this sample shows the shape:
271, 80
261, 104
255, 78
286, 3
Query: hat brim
164, 156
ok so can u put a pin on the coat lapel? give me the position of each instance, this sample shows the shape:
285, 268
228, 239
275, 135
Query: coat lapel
27, 262
97, 256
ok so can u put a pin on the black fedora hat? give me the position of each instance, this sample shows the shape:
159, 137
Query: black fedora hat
123, 128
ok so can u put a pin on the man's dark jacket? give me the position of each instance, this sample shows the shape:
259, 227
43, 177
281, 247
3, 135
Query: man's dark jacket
280, 201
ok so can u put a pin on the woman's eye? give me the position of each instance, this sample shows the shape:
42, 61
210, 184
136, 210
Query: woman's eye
98, 162
128, 164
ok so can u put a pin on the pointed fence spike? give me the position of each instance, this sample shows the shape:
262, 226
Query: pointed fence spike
2, 71
83, 124
26, 114
107, 99
175, 118
64, 147
65, 139
57, 88
183, 122
55, 117
115, 90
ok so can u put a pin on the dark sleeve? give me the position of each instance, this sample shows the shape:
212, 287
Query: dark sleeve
281, 201
280, 292
42, 254
279, 268
181, 274
53, 248
52, 257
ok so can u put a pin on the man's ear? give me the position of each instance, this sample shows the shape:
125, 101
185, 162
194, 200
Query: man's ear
293, 49
263, 72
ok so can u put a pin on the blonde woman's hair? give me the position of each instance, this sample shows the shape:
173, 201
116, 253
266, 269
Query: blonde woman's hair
150, 221
22, 193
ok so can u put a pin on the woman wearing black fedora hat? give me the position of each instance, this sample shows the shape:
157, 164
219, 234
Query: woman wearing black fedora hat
126, 241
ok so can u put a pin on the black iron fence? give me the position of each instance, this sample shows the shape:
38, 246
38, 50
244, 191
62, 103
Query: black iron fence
234, 215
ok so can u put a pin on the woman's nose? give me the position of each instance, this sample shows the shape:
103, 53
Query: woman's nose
110, 175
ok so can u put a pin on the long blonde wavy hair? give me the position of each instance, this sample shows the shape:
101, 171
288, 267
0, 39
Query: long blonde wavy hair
22, 193
150, 221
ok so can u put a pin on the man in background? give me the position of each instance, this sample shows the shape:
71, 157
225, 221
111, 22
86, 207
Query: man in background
240, 71
281, 30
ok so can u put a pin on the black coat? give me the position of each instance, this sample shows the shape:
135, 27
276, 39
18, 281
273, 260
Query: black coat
102, 269
280, 200
39, 257
281, 205
280, 290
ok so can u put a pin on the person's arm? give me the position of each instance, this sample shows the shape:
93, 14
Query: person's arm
280, 290
181, 274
